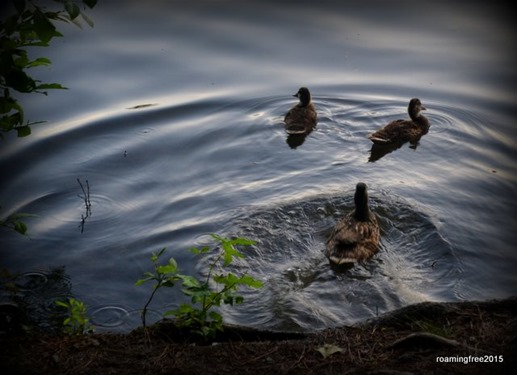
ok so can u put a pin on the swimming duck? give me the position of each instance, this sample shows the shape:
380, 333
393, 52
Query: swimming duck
355, 238
301, 119
404, 130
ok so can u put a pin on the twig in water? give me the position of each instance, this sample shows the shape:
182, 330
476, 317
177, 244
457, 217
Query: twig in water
87, 203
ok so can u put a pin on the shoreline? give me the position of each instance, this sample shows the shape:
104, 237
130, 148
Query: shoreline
475, 337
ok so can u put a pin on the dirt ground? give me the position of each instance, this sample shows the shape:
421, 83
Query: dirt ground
414, 340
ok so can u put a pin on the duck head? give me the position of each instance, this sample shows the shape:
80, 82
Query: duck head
304, 95
415, 107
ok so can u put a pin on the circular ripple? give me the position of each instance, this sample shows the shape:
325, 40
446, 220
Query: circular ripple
120, 319
204, 239
302, 291
30, 281
109, 316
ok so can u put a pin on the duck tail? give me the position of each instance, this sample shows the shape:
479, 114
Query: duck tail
375, 138
342, 260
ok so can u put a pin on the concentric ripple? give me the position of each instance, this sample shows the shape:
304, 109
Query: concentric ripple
302, 292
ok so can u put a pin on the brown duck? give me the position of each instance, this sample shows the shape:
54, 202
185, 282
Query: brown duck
400, 131
355, 237
301, 119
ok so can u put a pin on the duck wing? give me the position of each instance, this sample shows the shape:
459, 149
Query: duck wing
395, 131
300, 120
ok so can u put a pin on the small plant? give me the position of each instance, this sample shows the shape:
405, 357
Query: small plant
15, 223
77, 322
217, 288
165, 275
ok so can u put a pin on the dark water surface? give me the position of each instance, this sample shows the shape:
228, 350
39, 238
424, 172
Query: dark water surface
174, 116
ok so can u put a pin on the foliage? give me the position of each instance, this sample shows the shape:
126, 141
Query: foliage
165, 275
203, 320
15, 223
30, 26
77, 321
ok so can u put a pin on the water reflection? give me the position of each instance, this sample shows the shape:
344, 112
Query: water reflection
296, 140
87, 203
27, 300
378, 151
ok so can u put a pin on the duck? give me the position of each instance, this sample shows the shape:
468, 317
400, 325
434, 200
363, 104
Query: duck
400, 131
301, 118
355, 238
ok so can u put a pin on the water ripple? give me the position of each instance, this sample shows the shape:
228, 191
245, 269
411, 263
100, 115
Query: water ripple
168, 175
416, 263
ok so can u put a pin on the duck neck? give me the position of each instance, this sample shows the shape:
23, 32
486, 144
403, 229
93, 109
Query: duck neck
305, 100
419, 118
362, 212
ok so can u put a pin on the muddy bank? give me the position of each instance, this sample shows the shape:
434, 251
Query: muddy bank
430, 338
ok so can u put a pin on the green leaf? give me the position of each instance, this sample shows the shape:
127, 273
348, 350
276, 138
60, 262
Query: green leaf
142, 281
169, 283
243, 241
229, 253
20, 81
214, 315
167, 269
90, 3
21, 61
7, 105
45, 86
39, 62
183, 310
10, 122
43, 27
228, 299
190, 281
197, 251
87, 19
72, 9
173, 263
228, 280
61, 303
220, 279
23, 131
250, 281
155, 256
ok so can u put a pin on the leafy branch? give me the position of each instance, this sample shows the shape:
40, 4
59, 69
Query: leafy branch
30, 26
165, 275
77, 321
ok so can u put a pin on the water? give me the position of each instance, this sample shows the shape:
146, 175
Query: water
174, 117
